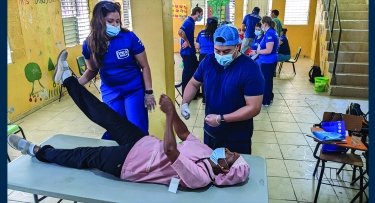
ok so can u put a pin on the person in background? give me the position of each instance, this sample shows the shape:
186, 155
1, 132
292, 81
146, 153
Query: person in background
205, 42
242, 36
267, 52
248, 25
120, 58
284, 49
279, 25
234, 86
187, 51
258, 38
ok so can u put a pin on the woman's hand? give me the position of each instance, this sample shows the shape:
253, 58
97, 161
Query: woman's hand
212, 120
150, 101
252, 53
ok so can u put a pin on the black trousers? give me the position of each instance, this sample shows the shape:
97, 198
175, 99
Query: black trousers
106, 159
268, 69
190, 66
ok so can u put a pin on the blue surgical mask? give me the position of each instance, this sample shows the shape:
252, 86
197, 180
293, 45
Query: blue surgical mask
111, 30
224, 60
218, 153
199, 18
257, 32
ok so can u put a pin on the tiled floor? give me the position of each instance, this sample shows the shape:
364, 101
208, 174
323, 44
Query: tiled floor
278, 135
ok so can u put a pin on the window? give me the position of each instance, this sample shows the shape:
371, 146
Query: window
203, 5
76, 24
232, 8
245, 4
127, 15
296, 12
9, 54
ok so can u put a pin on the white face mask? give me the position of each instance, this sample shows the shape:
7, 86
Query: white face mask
111, 30
224, 60
257, 32
218, 153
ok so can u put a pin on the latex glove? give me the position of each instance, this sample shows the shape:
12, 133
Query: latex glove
212, 120
185, 111
150, 101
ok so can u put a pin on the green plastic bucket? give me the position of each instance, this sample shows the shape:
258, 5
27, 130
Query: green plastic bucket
321, 84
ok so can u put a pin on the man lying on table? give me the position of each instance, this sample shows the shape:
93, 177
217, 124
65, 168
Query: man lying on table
140, 158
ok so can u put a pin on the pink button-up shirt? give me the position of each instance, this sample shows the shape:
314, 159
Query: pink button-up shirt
147, 162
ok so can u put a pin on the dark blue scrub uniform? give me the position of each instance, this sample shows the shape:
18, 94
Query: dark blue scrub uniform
254, 46
122, 87
225, 91
268, 63
206, 43
189, 59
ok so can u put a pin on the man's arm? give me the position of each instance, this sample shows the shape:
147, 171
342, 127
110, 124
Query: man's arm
170, 145
190, 90
252, 108
243, 27
179, 127
182, 34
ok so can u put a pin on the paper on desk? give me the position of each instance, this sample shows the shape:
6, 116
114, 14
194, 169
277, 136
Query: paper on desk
328, 136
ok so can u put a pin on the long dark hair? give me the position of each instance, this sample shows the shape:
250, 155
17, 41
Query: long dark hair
98, 39
211, 27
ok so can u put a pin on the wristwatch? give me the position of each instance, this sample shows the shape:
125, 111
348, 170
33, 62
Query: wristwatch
149, 91
222, 118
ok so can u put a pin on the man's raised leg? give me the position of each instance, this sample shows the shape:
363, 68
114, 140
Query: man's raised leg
122, 131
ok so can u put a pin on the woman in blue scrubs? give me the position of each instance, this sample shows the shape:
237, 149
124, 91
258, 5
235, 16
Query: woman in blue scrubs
205, 42
119, 56
254, 45
267, 52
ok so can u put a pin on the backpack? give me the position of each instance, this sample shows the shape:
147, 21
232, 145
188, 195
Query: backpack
355, 109
314, 72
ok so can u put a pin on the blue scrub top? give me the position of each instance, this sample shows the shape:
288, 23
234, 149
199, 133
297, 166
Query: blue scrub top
188, 27
120, 71
284, 47
269, 36
250, 20
205, 42
225, 90
256, 42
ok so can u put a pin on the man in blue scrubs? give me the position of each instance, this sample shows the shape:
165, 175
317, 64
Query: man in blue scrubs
234, 87
248, 24
187, 52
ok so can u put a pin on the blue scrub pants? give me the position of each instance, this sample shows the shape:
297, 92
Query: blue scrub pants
190, 66
106, 159
132, 107
268, 69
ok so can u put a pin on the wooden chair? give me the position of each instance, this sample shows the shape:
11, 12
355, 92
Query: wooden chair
353, 124
292, 61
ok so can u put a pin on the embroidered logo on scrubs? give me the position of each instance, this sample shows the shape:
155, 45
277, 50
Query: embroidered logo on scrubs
122, 53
